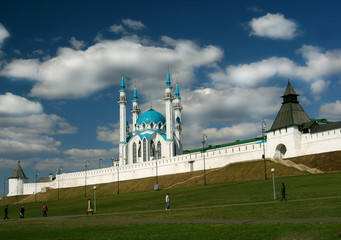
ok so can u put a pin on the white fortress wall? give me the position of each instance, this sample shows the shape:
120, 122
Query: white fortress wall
179, 164
327, 141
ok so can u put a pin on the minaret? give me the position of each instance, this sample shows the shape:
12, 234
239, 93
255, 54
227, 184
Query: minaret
123, 124
177, 113
135, 111
169, 115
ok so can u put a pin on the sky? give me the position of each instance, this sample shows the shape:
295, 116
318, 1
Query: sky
61, 64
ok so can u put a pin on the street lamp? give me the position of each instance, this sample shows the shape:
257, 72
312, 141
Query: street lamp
204, 139
35, 194
86, 168
263, 131
95, 199
5, 191
99, 163
59, 169
118, 174
273, 181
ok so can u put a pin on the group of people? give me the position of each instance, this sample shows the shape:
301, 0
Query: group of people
90, 210
22, 211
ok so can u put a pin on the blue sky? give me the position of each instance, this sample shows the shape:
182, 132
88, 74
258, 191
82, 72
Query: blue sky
61, 64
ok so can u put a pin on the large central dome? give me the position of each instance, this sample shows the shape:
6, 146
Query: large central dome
151, 116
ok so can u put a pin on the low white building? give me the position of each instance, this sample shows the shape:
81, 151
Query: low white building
292, 134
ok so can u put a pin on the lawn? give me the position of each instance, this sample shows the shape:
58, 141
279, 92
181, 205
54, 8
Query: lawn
307, 198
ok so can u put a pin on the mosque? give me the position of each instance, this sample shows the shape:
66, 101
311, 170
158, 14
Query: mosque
154, 146
153, 136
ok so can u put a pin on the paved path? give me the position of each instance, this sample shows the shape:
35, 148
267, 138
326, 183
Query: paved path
83, 218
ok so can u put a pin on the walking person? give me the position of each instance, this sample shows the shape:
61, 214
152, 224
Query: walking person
90, 210
283, 192
167, 201
6, 212
45, 209
22, 212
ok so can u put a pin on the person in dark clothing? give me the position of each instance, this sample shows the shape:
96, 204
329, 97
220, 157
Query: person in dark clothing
22, 212
45, 208
283, 192
6, 212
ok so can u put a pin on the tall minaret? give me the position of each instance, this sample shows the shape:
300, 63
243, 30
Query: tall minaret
135, 111
177, 113
169, 116
123, 124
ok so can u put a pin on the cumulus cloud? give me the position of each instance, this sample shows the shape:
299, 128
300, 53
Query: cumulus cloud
135, 25
3, 34
77, 74
76, 44
318, 65
109, 133
116, 28
274, 26
26, 129
331, 111
319, 86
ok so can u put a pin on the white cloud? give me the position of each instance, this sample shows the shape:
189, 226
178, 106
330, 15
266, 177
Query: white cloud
109, 133
3, 34
77, 74
26, 129
274, 26
11, 104
318, 65
256, 73
76, 44
116, 28
135, 25
319, 86
331, 111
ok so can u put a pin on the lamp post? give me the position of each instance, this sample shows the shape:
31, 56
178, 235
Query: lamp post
35, 194
59, 169
118, 174
95, 199
263, 131
273, 181
204, 139
99, 163
5, 191
86, 168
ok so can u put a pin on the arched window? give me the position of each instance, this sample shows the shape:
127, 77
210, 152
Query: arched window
160, 125
152, 148
144, 150
139, 150
158, 150
152, 125
134, 153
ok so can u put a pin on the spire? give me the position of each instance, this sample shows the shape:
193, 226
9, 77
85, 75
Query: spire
177, 92
135, 95
18, 172
168, 83
123, 86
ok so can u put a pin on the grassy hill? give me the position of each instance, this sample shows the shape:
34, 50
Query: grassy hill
246, 171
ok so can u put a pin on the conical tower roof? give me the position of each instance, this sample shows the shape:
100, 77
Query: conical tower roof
18, 172
291, 112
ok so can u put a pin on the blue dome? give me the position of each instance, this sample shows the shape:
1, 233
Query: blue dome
151, 116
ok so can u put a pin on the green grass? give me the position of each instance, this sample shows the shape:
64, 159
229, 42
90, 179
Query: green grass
229, 194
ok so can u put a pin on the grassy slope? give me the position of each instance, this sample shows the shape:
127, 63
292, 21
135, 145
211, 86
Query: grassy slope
298, 187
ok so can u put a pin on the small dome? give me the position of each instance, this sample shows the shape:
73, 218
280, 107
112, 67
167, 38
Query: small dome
151, 116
